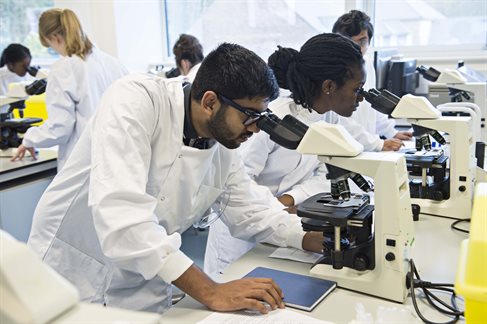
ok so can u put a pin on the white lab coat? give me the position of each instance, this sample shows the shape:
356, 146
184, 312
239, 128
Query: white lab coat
74, 88
111, 220
375, 124
7, 77
281, 170
192, 73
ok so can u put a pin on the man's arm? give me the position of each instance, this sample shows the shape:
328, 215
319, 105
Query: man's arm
247, 293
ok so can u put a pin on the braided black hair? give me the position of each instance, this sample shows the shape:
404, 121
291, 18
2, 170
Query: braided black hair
14, 53
352, 23
323, 57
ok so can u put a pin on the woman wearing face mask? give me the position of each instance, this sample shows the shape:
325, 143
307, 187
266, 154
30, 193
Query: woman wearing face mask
14, 63
324, 77
74, 85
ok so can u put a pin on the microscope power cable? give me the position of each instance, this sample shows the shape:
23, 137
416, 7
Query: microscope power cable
425, 286
458, 221
453, 225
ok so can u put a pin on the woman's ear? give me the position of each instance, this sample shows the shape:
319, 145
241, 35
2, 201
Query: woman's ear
327, 87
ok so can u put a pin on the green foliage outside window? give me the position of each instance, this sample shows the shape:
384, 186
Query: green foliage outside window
18, 24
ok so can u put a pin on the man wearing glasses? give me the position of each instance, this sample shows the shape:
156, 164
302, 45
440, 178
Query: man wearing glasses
151, 162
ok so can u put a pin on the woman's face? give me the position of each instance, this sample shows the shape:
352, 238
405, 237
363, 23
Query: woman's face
345, 100
57, 43
20, 67
362, 40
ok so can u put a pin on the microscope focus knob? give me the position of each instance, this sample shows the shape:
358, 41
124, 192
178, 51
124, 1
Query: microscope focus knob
360, 263
390, 256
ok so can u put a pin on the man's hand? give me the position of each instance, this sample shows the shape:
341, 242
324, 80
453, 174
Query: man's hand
313, 241
292, 209
286, 200
404, 136
392, 144
247, 293
21, 152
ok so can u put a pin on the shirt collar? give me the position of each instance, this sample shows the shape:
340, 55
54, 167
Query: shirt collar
191, 138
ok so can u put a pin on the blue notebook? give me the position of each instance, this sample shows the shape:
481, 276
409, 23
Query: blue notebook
302, 292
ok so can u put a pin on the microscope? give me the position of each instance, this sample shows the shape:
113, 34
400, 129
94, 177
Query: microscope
32, 292
10, 127
464, 86
366, 246
442, 168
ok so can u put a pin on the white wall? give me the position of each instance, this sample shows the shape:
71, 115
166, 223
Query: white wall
131, 30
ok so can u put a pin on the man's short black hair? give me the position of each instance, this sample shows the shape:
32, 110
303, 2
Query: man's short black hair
352, 23
236, 73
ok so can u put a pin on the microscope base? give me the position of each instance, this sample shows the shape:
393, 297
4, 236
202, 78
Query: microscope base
384, 283
481, 175
451, 208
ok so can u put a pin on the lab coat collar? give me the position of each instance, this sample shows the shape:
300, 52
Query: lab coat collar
191, 138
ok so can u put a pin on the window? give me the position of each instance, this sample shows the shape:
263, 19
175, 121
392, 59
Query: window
257, 25
430, 22
18, 24
261, 25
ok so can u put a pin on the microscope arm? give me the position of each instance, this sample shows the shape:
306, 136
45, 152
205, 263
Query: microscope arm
289, 132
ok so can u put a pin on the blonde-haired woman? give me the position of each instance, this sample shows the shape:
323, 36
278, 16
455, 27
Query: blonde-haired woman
74, 86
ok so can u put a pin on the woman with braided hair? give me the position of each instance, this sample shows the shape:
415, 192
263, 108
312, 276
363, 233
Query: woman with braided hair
324, 78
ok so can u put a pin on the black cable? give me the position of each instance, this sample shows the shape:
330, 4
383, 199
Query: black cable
425, 286
436, 215
458, 221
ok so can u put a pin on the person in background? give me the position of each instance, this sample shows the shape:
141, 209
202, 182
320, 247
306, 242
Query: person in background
151, 162
189, 54
325, 76
356, 25
74, 85
14, 63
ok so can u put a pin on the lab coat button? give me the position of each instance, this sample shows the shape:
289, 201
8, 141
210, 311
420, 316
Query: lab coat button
163, 198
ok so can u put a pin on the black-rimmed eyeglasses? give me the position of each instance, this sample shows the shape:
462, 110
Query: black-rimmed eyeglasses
252, 115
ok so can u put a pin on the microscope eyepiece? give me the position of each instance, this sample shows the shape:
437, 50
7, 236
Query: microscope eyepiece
37, 87
383, 101
32, 70
430, 74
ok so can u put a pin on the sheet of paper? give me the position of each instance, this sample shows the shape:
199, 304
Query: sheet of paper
295, 255
281, 316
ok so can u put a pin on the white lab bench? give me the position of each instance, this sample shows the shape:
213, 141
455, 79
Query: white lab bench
22, 183
435, 253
